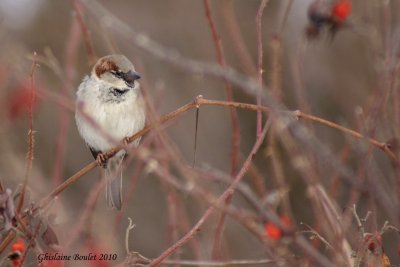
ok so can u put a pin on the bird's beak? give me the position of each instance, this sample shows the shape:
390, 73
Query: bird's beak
130, 77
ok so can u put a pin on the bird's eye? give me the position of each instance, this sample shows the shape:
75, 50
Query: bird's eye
117, 73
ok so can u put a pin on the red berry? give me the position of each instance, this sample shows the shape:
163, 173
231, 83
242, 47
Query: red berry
341, 10
272, 231
18, 246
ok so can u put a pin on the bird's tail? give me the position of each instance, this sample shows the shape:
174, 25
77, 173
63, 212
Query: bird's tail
114, 182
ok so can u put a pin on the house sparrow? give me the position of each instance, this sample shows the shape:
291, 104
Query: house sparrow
110, 108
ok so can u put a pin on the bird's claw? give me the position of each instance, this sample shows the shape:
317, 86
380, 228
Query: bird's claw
126, 141
101, 160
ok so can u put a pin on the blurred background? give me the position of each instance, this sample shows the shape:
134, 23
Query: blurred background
350, 78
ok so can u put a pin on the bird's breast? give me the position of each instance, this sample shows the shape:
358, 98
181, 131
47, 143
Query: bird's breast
113, 121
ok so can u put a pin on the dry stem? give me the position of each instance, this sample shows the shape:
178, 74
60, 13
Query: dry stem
31, 135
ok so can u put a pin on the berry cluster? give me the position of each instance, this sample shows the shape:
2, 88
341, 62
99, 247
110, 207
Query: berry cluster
332, 19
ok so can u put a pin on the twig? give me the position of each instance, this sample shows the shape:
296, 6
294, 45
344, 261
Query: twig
381, 145
209, 211
235, 142
223, 263
87, 210
228, 14
360, 222
201, 101
172, 205
298, 132
31, 243
86, 33
7, 240
219, 230
285, 16
316, 234
318, 257
247, 221
71, 180
247, 84
260, 69
31, 135
139, 260
183, 240
63, 121
362, 244
128, 230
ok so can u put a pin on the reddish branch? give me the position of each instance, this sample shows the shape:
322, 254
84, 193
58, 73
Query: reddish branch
241, 49
89, 206
173, 115
85, 31
209, 211
228, 88
31, 136
63, 121
199, 101
216, 250
235, 142
261, 262
31, 243
259, 62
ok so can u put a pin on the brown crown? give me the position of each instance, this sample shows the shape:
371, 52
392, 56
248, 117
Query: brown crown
105, 65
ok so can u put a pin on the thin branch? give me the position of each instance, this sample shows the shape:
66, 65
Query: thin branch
199, 101
209, 211
219, 230
71, 180
31, 243
285, 17
241, 49
130, 226
172, 200
71, 49
7, 240
223, 263
85, 31
314, 233
235, 142
189, 235
260, 69
247, 84
31, 135
360, 222
382, 145
88, 208
315, 254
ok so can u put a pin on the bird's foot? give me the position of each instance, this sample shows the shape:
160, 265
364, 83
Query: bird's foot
101, 160
126, 141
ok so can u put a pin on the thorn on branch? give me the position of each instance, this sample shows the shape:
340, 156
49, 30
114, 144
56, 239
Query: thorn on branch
297, 113
198, 100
